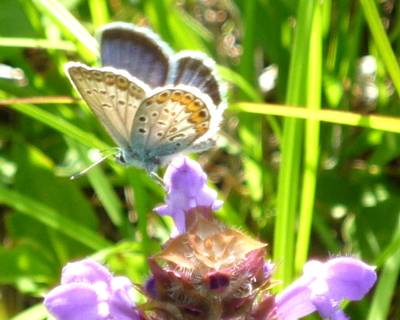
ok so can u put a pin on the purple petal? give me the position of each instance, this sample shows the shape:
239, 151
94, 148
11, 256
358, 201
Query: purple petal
328, 308
349, 278
187, 189
180, 222
150, 287
89, 291
85, 271
183, 172
294, 302
121, 302
323, 286
268, 268
73, 302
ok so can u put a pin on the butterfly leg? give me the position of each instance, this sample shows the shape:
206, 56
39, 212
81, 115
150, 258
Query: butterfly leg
157, 179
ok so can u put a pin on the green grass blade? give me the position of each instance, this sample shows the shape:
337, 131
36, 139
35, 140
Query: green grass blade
184, 36
52, 219
158, 13
231, 76
311, 146
236, 79
99, 12
376, 122
250, 130
36, 312
108, 198
106, 194
96, 177
386, 286
288, 181
387, 252
247, 65
135, 178
37, 43
326, 235
382, 41
60, 125
69, 26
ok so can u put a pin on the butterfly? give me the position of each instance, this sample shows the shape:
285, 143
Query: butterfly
154, 104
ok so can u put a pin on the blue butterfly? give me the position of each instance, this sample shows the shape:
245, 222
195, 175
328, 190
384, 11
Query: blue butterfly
155, 104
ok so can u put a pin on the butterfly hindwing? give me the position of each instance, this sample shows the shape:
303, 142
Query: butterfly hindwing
170, 120
112, 95
137, 50
195, 69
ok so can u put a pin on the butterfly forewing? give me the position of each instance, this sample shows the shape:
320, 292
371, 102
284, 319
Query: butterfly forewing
170, 121
136, 50
111, 95
197, 70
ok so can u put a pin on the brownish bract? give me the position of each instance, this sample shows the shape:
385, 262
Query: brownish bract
210, 272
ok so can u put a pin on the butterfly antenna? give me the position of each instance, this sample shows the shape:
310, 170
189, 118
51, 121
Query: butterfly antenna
84, 171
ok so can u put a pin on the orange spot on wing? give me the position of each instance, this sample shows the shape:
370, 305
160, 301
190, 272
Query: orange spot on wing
199, 116
200, 130
176, 95
163, 96
196, 105
187, 99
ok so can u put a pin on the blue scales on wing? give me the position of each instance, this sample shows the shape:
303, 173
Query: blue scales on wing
137, 50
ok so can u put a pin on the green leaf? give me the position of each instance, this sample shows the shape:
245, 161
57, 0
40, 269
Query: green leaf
51, 218
36, 312
26, 267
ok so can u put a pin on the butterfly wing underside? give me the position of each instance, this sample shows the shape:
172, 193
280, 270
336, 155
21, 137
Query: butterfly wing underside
114, 97
169, 121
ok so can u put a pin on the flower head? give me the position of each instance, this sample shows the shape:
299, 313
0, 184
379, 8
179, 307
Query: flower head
210, 272
187, 188
323, 286
89, 291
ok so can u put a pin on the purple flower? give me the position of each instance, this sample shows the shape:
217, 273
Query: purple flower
89, 291
187, 189
322, 287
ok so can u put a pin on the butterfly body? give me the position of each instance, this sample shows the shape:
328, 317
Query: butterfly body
154, 105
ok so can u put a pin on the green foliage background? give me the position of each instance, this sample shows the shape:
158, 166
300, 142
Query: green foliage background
310, 181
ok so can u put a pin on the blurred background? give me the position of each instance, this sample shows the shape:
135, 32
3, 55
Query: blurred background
308, 188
